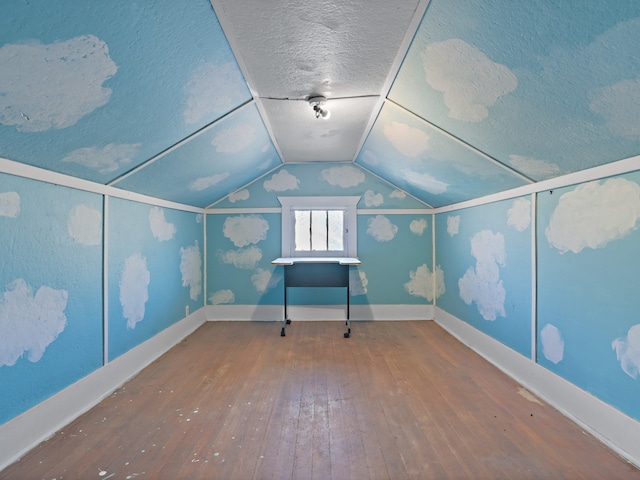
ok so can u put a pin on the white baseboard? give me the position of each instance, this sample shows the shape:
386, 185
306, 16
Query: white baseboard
318, 312
27, 430
615, 429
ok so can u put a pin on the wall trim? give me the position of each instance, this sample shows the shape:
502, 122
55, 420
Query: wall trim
275, 313
27, 430
618, 431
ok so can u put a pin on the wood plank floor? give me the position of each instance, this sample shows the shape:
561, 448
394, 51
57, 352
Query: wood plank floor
396, 400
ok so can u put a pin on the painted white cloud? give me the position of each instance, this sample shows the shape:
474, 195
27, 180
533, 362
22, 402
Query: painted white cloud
418, 227
264, 280
160, 228
424, 181
281, 182
344, 177
409, 141
594, 214
239, 196
212, 90
234, 139
398, 194
206, 182
424, 283
53, 85
469, 80
191, 270
519, 215
222, 296
552, 343
199, 218
482, 284
533, 167
245, 258
619, 104
245, 230
381, 228
84, 225
108, 159
29, 323
628, 351
453, 225
9, 204
134, 291
372, 199
358, 282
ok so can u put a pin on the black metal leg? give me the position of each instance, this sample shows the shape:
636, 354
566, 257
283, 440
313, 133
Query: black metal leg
347, 334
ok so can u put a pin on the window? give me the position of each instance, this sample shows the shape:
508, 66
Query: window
319, 226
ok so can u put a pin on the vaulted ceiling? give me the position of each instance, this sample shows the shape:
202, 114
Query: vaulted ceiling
448, 100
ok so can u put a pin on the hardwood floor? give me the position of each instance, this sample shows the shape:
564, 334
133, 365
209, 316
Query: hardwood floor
396, 400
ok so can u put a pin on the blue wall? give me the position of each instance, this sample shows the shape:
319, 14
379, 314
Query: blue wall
587, 239
395, 248
51, 283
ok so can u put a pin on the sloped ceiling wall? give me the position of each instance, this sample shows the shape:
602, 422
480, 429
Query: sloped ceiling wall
152, 97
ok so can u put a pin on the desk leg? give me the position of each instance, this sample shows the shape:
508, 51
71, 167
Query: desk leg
285, 319
347, 334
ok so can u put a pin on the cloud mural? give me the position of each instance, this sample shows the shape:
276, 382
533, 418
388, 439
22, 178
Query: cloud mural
423, 281
619, 105
628, 351
533, 167
409, 141
134, 289
203, 183
469, 80
552, 343
519, 215
453, 225
213, 90
9, 204
222, 296
358, 282
160, 228
372, 199
281, 182
245, 230
381, 228
52, 86
104, 160
418, 227
191, 270
594, 214
29, 323
399, 194
424, 181
344, 177
244, 258
234, 139
264, 280
239, 196
482, 284
84, 225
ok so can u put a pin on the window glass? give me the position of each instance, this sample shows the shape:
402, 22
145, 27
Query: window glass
319, 230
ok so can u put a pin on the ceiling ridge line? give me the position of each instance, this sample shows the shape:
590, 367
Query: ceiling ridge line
463, 143
373, 95
178, 144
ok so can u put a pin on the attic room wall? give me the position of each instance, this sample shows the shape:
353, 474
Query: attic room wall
51, 282
584, 242
394, 245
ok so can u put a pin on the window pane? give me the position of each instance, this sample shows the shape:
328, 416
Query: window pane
302, 230
319, 230
336, 230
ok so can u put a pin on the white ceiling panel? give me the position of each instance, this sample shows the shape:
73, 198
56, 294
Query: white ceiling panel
301, 137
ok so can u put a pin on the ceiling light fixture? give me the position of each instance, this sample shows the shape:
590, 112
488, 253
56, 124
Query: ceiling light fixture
318, 103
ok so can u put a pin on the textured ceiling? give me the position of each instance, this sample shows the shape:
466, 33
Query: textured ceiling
447, 100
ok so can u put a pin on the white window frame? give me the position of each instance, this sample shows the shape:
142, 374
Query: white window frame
346, 203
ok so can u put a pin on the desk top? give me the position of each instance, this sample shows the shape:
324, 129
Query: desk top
340, 260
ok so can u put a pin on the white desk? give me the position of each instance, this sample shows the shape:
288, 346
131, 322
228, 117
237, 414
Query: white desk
316, 272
